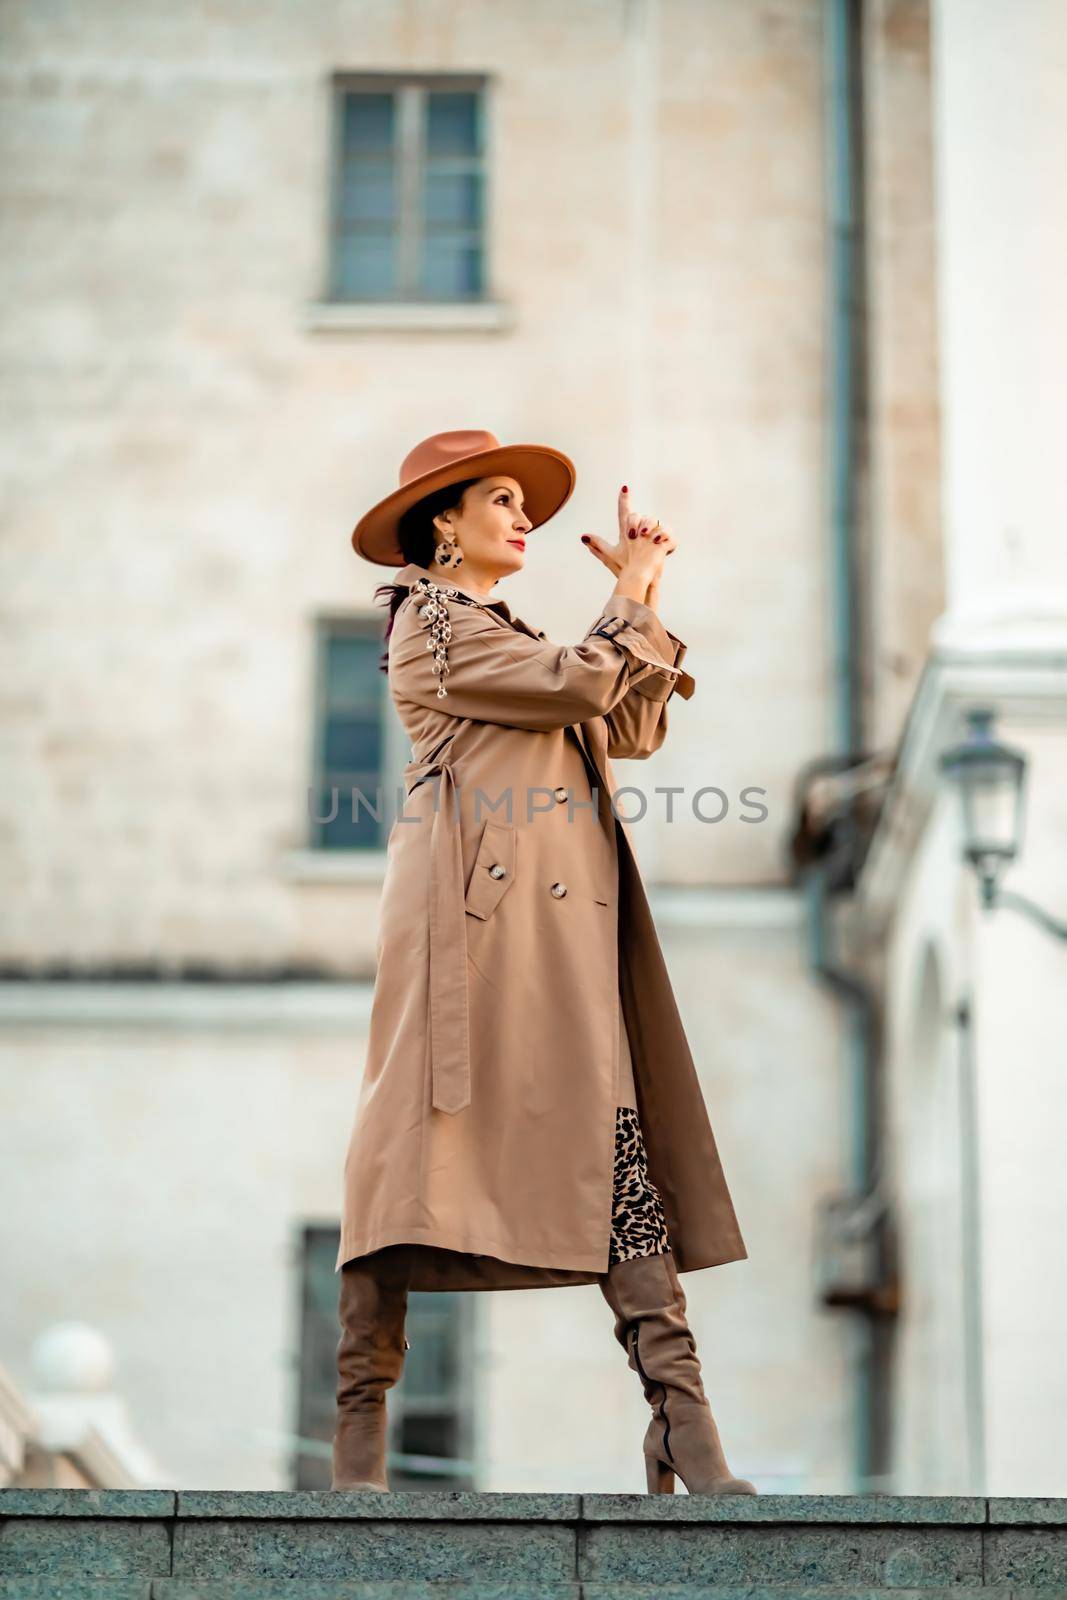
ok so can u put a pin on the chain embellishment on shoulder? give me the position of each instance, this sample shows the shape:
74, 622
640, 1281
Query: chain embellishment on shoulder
434, 615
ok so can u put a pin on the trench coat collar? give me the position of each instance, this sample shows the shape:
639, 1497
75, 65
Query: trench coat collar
410, 575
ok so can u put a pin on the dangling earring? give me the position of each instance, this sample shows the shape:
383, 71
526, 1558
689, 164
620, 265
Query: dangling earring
448, 554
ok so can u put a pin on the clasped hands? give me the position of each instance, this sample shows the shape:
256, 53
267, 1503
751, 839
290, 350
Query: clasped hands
643, 546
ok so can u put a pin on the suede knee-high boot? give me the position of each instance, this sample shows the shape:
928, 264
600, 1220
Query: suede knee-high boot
370, 1359
646, 1296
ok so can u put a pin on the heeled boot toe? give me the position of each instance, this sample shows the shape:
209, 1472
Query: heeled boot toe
646, 1295
693, 1449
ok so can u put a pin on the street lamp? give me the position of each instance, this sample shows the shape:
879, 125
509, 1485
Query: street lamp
991, 779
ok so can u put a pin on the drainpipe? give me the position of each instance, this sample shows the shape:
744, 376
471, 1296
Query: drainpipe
844, 198
834, 871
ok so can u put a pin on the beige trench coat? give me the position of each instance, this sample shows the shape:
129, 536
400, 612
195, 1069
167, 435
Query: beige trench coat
513, 918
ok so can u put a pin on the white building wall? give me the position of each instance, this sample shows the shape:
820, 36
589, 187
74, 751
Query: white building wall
189, 443
1002, 232
1021, 1000
976, 1110
936, 1411
162, 1151
154, 1181
188, 448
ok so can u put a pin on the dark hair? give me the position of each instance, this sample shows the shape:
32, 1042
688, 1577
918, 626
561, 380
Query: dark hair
415, 536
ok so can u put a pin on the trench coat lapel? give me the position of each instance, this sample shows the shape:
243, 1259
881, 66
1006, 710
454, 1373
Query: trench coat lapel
410, 575
449, 1018
449, 1021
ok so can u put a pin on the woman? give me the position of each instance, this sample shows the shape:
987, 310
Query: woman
529, 1113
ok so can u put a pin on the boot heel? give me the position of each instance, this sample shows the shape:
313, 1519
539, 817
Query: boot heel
659, 1476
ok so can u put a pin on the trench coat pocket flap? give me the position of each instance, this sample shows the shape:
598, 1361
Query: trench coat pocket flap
494, 869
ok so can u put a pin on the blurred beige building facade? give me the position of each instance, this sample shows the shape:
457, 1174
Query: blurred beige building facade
196, 418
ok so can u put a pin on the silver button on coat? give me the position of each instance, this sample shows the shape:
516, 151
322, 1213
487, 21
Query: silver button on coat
559, 890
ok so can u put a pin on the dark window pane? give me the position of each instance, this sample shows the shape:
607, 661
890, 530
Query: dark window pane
352, 676
362, 791
369, 122
431, 1369
351, 744
453, 198
341, 832
319, 1333
368, 192
366, 264
428, 1435
452, 123
351, 736
451, 269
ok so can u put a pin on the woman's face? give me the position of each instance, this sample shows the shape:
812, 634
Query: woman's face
490, 528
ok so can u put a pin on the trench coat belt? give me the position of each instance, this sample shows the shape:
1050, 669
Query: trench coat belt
449, 1021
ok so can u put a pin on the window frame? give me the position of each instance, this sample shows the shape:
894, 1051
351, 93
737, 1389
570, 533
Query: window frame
313, 1406
411, 90
367, 626
457, 1310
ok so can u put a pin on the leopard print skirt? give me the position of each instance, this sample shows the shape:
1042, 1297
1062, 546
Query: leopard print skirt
638, 1225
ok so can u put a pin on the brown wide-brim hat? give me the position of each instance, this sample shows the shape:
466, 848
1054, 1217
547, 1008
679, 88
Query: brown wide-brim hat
547, 477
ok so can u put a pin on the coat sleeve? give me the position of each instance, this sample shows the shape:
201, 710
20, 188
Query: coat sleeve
637, 725
496, 674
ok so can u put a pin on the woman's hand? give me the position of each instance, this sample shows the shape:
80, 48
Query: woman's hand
643, 546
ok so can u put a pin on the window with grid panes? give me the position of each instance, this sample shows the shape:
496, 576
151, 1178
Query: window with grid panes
350, 738
409, 189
